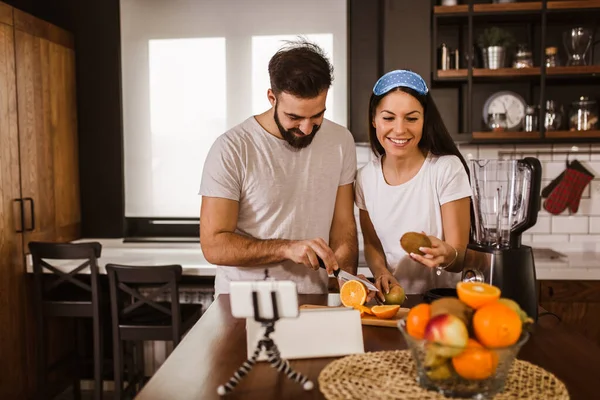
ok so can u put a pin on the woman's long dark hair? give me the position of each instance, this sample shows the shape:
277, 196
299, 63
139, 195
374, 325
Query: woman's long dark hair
435, 138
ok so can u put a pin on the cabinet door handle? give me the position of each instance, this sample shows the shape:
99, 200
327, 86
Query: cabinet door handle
21, 218
31, 213
550, 291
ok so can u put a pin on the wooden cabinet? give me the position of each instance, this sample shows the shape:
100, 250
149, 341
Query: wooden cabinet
39, 177
577, 303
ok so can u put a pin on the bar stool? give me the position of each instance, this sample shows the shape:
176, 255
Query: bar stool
66, 294
138, 317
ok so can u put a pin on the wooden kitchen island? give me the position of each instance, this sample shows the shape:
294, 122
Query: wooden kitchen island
216, 346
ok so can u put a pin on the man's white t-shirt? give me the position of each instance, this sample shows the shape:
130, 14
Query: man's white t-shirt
414, 206
282, 193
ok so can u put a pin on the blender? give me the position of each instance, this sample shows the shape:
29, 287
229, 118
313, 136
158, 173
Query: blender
506, 201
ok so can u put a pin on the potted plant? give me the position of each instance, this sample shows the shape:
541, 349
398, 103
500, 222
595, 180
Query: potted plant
494, 43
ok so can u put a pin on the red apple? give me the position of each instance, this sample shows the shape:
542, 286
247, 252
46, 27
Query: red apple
448, 334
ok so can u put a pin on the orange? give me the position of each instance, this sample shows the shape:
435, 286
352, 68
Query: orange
364, 310
477, 294
497, 325
385, 312
475, 362
417, 320
353, 293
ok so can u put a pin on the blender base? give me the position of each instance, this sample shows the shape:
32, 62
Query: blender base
510, 269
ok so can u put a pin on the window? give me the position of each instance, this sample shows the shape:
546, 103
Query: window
191, 69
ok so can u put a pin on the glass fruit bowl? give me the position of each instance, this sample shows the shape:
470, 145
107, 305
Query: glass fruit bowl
473, 372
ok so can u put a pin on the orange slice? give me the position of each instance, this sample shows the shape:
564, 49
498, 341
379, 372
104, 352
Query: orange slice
364, 310
353, 293
385, 312
477, 294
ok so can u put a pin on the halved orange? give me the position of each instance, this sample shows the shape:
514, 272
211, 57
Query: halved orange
353, 293
477, 294
385, 312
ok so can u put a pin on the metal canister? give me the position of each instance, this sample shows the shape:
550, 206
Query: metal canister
530, 122
444, 57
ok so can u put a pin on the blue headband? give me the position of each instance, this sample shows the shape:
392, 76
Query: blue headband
400, 78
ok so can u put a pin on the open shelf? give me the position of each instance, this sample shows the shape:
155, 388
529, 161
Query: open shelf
506, 135
447, 10
573, 5
586, 70
523, 18
535, 6
572, 134
553, 72
507, 7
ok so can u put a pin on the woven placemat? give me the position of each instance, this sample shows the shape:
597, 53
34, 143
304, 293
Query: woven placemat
392, 375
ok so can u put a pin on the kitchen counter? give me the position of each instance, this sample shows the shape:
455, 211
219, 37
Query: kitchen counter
216, 346
578, 263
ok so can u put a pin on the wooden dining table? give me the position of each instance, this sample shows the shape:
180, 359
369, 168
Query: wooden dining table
216, 346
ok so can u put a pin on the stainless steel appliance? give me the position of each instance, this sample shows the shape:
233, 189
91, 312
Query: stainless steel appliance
506, 201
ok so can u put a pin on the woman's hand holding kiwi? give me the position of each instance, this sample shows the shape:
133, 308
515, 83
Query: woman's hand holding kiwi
428, 250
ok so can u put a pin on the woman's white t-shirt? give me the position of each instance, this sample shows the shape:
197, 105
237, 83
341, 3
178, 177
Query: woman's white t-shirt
414, 206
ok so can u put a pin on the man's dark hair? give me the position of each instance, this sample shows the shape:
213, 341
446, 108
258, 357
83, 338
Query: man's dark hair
300, 68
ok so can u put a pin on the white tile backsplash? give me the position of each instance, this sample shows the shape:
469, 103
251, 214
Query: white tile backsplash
594, 224
363, 155
470, 152
596, 148
550, 238
578, 151
533, 150
570, 224
543, 225
491, 152
552, 169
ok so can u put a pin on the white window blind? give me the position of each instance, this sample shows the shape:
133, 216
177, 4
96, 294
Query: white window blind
191, 69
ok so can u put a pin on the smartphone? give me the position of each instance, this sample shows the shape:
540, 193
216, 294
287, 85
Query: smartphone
285, 295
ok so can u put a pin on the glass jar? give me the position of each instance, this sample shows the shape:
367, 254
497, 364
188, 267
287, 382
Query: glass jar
523, 57
552, 57
530, 122
553, 120
497, 122
583, 115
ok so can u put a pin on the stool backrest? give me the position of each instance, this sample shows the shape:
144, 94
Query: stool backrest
125, 282
44, 253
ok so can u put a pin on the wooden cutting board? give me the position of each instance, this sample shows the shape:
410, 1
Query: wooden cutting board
371, 319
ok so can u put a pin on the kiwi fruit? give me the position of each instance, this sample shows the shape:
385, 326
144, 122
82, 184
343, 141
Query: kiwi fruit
412, 241
513, 305
452, 305
440, 372
396, 295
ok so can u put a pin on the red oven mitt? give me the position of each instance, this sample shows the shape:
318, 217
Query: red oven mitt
568, 191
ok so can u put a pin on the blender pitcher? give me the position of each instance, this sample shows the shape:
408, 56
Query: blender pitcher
504, 201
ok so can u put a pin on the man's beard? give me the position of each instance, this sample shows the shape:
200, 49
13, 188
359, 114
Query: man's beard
296, 142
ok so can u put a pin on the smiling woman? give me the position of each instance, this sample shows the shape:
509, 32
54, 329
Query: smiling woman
418, 182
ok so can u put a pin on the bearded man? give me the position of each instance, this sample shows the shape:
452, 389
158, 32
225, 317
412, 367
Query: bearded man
277, 189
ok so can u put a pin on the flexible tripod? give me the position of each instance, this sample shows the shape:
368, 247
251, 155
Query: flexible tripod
273, 355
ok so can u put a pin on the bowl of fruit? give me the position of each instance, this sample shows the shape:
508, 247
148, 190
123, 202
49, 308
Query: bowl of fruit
465, 346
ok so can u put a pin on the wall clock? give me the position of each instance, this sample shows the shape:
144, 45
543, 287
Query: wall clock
506, 102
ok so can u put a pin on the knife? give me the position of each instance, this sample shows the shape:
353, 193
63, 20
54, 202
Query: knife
346, 276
